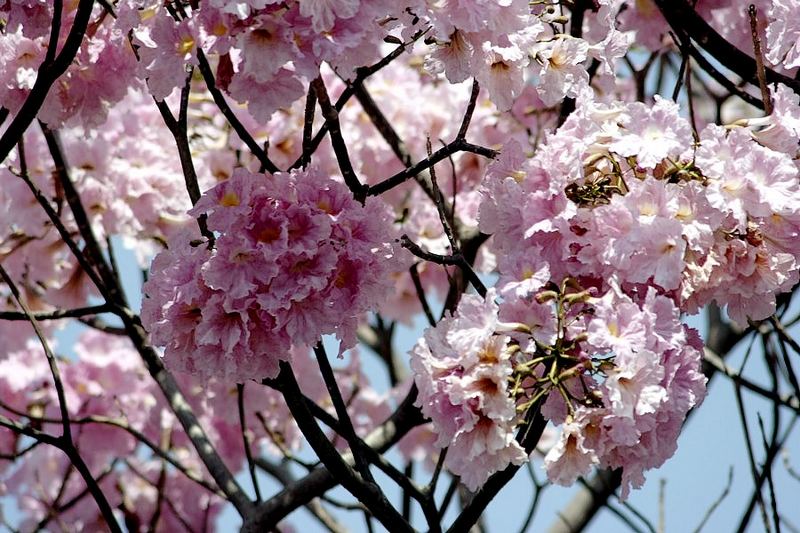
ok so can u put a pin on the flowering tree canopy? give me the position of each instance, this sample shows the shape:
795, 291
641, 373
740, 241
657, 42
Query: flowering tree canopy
552, 186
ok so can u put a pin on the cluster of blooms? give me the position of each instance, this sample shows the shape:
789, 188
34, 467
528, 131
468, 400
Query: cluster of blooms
620, 192
620, 376
105, 365
621, 204
266, 52
130, 184
783, 33
86, 91
617, 225
296, 257
462, 368
107, 382
632, 374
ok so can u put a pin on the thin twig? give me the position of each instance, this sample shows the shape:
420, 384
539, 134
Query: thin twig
440, 205
65, 442
682, 17
454, 259
93, 249
57, 314
178, 129
752, 13
362, 73
473, 100
414, 272
51, 358
458, 145
716, 361
246, 440
725, 491
65, 235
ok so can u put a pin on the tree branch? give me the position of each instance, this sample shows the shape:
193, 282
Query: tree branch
48, 74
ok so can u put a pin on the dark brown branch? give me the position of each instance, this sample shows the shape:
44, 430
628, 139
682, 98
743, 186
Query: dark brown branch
366, 492
345, 424
65, 442
183, 412
413, 271
724, 80
320, 480
100, 325
251, 465
63, 507
440, 202
458, 145
57, 314
230, 116
473, 100
48, 74
684, 19
308, 126
456, 259
65, 235
55, 31
315, 507
362, 73
178, 129
711, 358
369, 455
331, 115
51, 358
577, 12
92, 247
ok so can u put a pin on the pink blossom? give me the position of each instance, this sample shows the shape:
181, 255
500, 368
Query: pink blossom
166, 48
652, 133
782, 132
570, 458
501, 73
265, 97
461, 368
485, 449
783, 34
306, 260
324, 12
561, 71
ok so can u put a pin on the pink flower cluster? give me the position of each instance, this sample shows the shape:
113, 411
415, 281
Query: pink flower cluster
618, 376
617, 224
86, 92
462, 368
295, 257
266, 50
620, 192
106, 381
638, 376
783, 33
